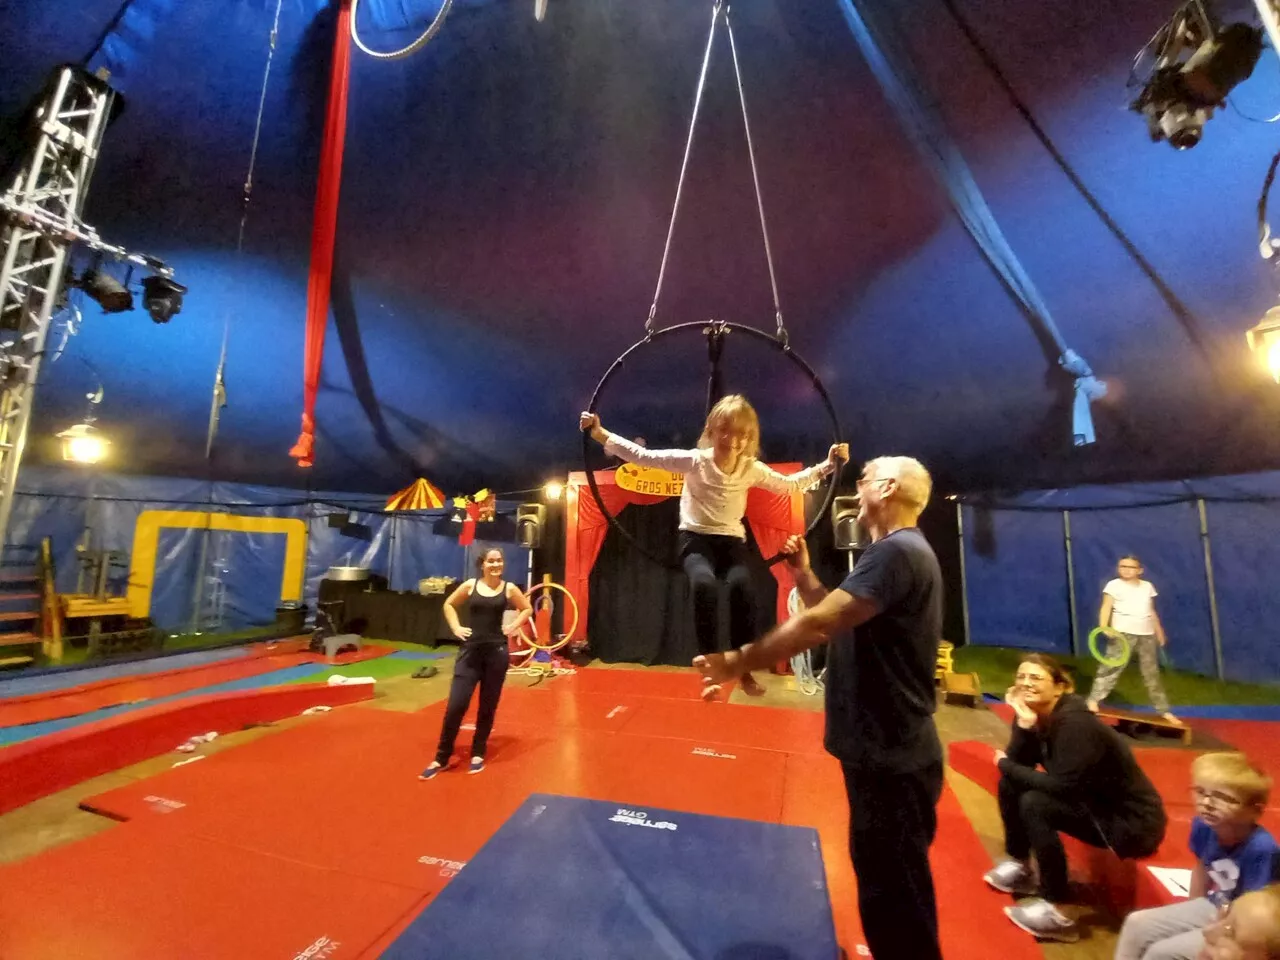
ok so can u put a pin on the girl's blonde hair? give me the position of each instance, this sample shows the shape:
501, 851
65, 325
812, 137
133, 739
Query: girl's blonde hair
1235, 771
736, 411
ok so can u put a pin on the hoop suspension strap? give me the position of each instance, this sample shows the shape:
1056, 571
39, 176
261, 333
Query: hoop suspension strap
719, 7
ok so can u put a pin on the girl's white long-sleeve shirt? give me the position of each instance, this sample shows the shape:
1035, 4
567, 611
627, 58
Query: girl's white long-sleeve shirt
714, 502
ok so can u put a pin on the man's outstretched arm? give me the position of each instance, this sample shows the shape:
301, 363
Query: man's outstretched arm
836, 612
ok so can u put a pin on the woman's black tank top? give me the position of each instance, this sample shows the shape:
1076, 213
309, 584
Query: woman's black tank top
485, 615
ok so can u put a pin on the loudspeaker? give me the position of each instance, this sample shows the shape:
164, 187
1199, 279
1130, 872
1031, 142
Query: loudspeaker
530, 519
844, 519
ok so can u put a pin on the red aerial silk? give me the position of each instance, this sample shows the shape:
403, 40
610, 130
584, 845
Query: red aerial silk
322, 233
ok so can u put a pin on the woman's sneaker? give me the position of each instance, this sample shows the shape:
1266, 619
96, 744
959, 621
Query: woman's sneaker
1044, 921
1011, 877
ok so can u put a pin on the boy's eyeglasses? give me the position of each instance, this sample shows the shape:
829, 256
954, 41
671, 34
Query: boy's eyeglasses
1219, 799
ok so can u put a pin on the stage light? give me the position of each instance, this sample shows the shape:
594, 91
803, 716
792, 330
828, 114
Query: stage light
849, 535
553, 490
530, 520
1198, 62
162, 298
1264, 342
105, 290
83, 444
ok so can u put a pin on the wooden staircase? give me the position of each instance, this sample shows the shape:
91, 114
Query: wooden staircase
22, 585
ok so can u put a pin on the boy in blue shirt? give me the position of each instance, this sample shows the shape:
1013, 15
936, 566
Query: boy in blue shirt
1235, 855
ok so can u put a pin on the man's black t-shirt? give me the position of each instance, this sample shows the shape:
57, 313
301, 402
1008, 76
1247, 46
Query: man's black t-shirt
880, 692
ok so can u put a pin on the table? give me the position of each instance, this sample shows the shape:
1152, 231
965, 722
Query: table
387, 614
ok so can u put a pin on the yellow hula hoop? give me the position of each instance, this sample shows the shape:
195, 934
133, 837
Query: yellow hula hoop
534, 646
1121, 658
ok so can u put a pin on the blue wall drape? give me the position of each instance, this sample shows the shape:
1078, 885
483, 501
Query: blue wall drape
405, 548
1016, 567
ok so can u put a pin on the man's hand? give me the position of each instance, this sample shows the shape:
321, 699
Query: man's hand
718, 667
837, 453
1000, 755
797, 553
1026, 717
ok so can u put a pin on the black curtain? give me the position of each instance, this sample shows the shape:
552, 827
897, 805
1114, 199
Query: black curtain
641, 612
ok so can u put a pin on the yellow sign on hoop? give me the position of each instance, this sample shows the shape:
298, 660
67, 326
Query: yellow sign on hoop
650, 480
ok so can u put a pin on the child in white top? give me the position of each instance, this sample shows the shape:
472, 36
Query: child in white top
717, 476
1128, 606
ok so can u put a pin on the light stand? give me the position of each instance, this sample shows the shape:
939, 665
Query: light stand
39, 222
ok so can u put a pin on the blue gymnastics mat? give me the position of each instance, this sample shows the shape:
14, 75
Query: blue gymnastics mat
581, 879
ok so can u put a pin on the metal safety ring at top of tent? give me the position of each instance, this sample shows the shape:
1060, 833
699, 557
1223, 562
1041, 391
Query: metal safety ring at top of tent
649, 338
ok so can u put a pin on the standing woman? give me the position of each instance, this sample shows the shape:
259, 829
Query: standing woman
483, 656
1091, 788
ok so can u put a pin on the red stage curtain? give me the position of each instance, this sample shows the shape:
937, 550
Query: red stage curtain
773, 518
322, 233
588, 537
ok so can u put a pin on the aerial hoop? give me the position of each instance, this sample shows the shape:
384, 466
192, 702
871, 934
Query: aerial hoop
709, 330
426, 37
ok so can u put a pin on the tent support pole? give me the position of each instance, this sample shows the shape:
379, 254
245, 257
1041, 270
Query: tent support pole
1071, 585
1213, 593
964, 583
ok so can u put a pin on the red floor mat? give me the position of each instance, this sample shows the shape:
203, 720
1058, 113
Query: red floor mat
71, 702
150, 891
668, 684
731, 724
447, 818
538, 710
1258, 738
44, 765
353, 795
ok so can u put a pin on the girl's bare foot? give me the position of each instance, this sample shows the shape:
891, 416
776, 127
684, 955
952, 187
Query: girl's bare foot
1093, 707
1170, 718
751, 686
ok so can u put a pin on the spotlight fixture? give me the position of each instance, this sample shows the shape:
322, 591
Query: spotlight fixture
553, 490
162, 297
105, 290
1264, 342
83, 443
1197, 64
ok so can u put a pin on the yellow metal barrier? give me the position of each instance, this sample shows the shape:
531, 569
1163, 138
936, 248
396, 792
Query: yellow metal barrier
146, 540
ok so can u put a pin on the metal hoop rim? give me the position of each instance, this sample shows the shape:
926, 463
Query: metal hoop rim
785, 349
1111, 634
534, 646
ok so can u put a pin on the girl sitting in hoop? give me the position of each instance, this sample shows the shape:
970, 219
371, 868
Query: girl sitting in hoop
717, 476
